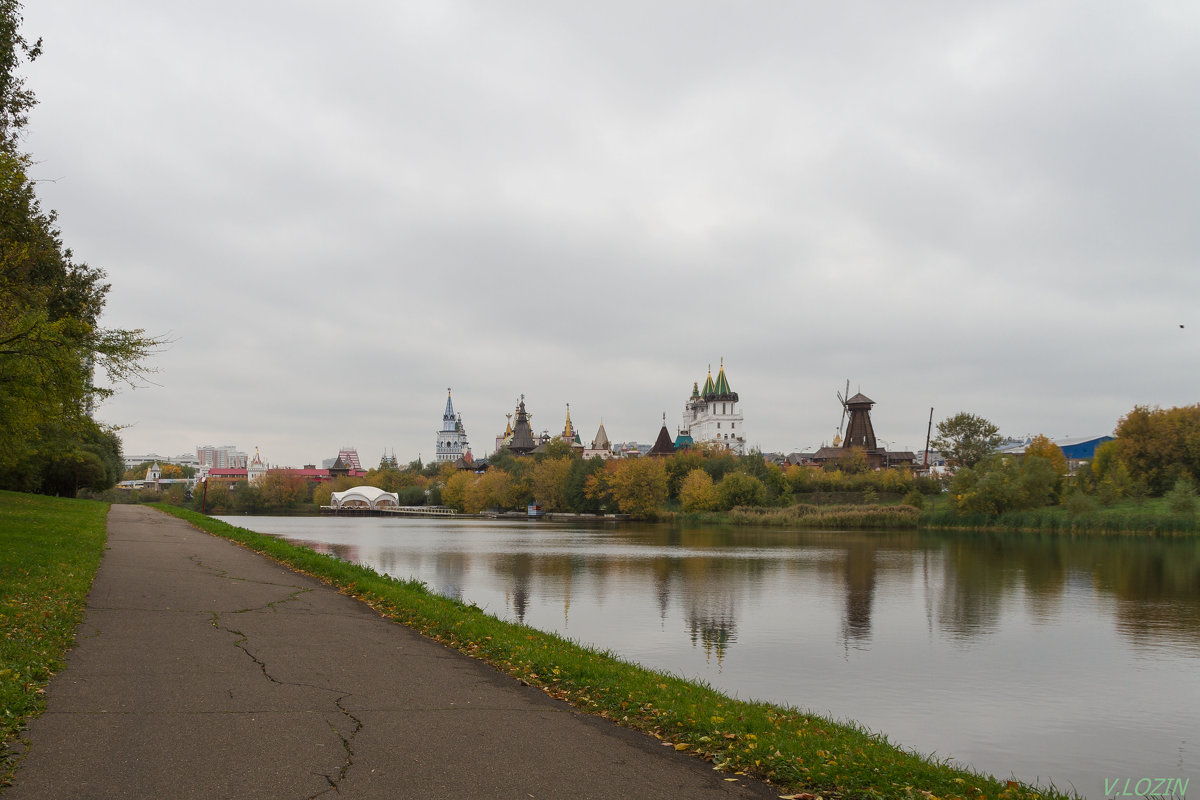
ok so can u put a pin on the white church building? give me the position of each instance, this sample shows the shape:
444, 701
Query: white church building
712, 415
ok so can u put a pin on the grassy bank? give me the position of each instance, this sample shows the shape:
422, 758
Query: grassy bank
1146, 516
797, 751
49, 551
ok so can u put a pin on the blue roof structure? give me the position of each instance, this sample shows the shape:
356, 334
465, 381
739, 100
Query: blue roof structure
1075, 449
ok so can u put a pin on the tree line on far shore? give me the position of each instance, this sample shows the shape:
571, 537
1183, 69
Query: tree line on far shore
700, 479
1156, 453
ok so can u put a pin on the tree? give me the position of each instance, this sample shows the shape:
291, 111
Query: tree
245, 497
965, 439
802, 479
740, 489
1041, 447
454, 492
1085, 478
1160, 446
176, 494
771, 475
999, 483
167, 470
389, 478
895, 479
68, 472
549, 482
679, 466
280, 489
576, 485
321, 496
15, 99
214, 497
489, 490
697, 492
1106, 458
851, 461
51, 341
555, 449
638, 486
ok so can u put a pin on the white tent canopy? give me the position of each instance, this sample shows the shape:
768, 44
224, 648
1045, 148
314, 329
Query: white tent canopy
364, 497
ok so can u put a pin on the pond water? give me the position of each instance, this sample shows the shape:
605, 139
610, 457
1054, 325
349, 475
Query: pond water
1047, 658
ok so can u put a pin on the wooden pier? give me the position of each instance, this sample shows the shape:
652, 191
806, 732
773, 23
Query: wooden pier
393, 511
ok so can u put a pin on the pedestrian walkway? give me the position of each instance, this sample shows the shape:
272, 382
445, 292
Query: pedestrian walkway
203, 670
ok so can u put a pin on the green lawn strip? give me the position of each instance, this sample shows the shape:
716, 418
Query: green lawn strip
50, 549
797, 751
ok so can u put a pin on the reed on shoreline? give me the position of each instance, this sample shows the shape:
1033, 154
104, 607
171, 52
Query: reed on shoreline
806, 515
1059, 520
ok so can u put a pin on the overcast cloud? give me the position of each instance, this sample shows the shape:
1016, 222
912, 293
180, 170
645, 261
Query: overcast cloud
337, 211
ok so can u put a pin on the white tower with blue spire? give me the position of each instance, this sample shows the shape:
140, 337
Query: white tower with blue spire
452, 438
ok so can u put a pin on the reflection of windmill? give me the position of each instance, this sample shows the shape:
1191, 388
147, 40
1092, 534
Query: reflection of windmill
842, 399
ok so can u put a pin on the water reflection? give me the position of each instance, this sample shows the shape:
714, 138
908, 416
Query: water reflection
1153, 585
1059, 656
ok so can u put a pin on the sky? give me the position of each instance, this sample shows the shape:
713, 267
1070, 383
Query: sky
335, 212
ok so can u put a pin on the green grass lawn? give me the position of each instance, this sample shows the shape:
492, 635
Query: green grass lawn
50, 549
799, 752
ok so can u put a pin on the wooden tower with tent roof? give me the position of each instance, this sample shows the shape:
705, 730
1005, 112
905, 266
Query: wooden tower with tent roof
663, 445
522, 442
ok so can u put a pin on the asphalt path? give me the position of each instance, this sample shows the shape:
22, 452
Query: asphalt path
204, 670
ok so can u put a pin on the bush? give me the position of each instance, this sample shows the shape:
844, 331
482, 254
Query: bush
1079, 503
1182, 498
915, 499
740, 489
412, 496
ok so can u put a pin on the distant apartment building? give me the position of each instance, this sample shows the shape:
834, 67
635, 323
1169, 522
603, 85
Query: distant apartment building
223, 457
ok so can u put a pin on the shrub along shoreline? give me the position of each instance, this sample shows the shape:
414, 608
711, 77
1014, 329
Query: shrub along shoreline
792, 749
1148, 517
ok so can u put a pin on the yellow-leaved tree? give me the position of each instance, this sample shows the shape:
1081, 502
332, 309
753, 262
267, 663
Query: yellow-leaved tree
697, 492
1042, 447
638, 485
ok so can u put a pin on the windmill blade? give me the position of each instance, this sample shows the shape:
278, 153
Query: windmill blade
842, 400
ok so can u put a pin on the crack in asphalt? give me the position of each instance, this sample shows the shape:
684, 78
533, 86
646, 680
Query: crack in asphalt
242, 643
